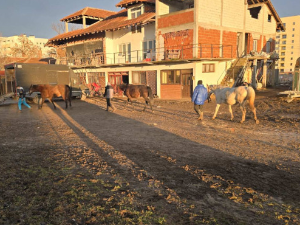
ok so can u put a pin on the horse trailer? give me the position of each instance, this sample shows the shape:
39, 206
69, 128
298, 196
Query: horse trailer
26, 74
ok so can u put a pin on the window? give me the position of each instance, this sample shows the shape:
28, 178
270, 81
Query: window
254, 12
282, 53
139, 77
292, 47
293, 41
293, 29
292, 58
149, 49
281, 70
292, 53
278, 36
254, 45
291, 70
136, 29
284, 42
269, 18
283, 48
208, 68
293, 35
291, 64
171, 77
294, 23
284, 36
282, 59
282, 64
136, 12
122, 49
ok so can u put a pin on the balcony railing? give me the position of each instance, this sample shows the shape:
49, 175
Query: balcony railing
200, 51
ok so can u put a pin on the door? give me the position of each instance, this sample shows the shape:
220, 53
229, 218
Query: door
187, 85
117, 78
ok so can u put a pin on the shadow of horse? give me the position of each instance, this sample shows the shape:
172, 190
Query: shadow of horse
135, 91
232, 96
49, 92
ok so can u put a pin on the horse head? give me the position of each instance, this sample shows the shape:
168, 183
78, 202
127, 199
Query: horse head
33, 88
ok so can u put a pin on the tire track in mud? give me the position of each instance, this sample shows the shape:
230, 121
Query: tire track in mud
236, 192
187, 207
224, 134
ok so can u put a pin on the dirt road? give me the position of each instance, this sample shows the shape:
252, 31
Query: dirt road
88, 166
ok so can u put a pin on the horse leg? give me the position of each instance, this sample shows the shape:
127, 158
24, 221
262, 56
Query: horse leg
43, 99
51, 100
230, 110
243, 108
216, 111
253, 109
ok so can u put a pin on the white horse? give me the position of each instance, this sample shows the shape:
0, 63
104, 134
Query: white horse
231, 96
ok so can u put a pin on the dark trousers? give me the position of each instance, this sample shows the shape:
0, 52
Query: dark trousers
108, 103
198, 109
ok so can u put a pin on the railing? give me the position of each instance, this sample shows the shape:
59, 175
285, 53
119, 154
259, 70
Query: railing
182, 52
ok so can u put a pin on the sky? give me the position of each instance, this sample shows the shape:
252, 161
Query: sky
36, 17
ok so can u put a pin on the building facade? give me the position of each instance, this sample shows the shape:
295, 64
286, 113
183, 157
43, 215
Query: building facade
169, 45
288, 45
7, 43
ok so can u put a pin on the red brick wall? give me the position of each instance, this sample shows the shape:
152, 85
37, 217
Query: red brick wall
175, 20
180, 40
229, 44
209, 43
170, 91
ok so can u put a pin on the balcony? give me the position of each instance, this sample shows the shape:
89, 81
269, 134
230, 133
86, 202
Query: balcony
168, 53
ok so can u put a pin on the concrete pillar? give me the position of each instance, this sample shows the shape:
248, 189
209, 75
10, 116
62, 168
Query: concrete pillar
158, 83
67, 27
84, 22
254, 85
265, 70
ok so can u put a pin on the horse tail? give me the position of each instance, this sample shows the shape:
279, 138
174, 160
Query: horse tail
251, 97
150, 94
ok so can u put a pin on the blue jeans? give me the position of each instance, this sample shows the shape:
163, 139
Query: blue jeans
22, 100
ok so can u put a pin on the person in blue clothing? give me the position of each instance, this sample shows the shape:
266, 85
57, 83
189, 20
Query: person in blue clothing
22, 98
199, 97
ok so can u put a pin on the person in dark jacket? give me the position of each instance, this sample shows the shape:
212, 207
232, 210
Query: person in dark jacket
199, 97
22, 98
109, 94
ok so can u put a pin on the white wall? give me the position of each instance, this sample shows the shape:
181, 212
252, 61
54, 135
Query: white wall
125, 36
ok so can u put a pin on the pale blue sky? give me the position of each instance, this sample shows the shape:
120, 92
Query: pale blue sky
35, 17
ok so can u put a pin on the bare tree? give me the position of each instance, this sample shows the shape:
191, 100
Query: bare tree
25, 48
60, 27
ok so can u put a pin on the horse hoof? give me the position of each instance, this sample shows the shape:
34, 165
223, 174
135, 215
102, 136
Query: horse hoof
241, 121
257, 121
213, 118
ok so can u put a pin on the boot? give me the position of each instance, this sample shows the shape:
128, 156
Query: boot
201, 116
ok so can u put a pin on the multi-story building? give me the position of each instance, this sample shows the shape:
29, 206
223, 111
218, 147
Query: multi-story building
7, 43
288, 44
169, 45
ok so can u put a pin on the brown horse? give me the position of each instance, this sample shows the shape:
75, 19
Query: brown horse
49, 92
136, 91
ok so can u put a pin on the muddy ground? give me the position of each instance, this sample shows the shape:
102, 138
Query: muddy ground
88, 166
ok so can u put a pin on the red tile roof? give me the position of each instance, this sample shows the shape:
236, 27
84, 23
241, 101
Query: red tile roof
125, 3
113, 22
88, 11
24, 60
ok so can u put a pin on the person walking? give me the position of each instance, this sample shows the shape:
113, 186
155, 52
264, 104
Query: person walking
22, 98
199, 97
109, 94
